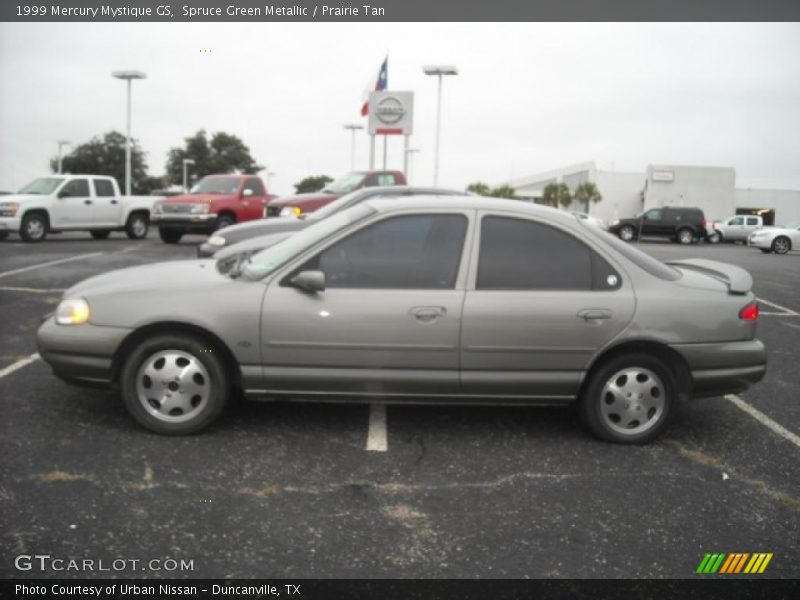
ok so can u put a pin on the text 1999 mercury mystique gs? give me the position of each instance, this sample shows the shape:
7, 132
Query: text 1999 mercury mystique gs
431, 299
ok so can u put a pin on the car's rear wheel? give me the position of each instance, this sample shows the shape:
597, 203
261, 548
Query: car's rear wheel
100, 234
169, 236
174, 384
626, 233
34, 227
628, 399
781, 245
3, 235
137, 225
685, 236
766, 250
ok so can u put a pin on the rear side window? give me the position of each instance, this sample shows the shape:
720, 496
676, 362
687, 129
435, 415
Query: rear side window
516, 254
386, 179
752, 221
77, 188
103, 188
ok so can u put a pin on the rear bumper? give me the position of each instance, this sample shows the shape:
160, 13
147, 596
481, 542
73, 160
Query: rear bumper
81, 354
724, 367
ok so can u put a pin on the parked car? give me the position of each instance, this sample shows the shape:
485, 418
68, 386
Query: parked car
683, 225
294, 206
734, 229
238, 233
589, 219
74, 203
776, 239
429, 299
216, 201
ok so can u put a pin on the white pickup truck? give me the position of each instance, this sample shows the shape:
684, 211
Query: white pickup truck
734, 229
74, 202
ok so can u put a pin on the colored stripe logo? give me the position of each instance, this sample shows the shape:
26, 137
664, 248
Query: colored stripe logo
734, 563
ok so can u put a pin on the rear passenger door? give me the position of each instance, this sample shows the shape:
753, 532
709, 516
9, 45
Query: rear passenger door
107, 207
540, 303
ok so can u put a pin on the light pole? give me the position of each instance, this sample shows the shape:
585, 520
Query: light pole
61, 144
439, 71
409, 161
353, 127
186, 163
269, 174
128, 76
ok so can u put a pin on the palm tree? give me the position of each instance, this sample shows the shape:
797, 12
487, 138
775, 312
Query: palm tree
556, 194
587, 193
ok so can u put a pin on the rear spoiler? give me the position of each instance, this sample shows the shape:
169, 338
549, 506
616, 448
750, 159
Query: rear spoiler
737, 279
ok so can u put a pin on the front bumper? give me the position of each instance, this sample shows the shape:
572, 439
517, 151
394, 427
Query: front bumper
724, 367
185, 222
10, 224
81, 354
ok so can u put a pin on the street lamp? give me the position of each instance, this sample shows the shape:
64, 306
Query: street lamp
409, 156
61, 144
186, 163
438, 71
353, 127
128, 76
269, 174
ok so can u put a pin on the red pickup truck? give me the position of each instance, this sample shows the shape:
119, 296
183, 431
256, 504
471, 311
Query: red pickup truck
216, 201
294, 206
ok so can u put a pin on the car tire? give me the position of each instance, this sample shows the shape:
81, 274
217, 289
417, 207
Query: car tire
781, 244
766, 250
3, 235
685, 236
715, 238
34, 227
224, 221
192, 388
100, 234
169, 236
629, 399
137, 225
626, 233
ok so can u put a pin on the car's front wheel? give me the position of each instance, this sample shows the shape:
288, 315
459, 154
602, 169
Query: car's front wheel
225, 220
174, 384
3, 235
626, 233
781, 245
715, 238
34, 227
137, 225
629, 399
685, 236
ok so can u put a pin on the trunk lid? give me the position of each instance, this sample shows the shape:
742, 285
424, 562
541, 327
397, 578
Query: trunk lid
737, 280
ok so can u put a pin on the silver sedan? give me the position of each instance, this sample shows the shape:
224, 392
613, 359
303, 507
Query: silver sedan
436, 299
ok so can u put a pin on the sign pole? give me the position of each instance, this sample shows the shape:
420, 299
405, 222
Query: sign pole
385, 147
405, 156
371, 151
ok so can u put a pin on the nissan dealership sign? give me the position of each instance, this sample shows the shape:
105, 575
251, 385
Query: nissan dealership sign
391, 113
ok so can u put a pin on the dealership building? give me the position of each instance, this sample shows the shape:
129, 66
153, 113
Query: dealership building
712, 189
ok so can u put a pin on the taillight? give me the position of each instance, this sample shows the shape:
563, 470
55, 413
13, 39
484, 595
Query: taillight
703, 223
749, 312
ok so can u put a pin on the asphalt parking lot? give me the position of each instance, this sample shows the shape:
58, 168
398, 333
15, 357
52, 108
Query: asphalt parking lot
312, 490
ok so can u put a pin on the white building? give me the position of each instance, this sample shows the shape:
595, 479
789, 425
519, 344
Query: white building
712, 189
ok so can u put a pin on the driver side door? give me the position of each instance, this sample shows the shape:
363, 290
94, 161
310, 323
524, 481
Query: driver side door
73, 207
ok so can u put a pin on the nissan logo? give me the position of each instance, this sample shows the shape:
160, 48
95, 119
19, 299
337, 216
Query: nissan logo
389, 110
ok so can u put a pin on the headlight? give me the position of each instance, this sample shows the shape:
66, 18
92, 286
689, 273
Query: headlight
615, 222
291, 211
216, 240
8, 209
72, 312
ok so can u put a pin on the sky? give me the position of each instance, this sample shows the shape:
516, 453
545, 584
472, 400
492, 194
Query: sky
529, 97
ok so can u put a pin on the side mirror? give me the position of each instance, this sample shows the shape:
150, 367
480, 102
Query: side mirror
309, 281
247, 192
62, 194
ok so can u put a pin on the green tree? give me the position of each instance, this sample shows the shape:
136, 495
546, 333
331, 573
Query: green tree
105, 155
556, 194
504, 191
224, 153
312, 184
479, 188
587, 193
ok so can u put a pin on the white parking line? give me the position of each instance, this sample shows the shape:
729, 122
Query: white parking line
764, 419
787, 312
31, 290
19, 364
49, 263
376, 437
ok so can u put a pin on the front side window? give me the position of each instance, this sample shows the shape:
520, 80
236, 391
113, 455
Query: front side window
345, 184
404, 252
736, 221
386, 179
653, 215
77, 188
255, 186
752, 221
103, 188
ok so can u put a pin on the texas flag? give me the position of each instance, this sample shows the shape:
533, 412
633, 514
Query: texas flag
376, 85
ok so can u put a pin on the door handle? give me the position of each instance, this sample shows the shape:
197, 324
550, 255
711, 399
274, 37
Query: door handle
114, 202
87, 201
427, 314
594, 314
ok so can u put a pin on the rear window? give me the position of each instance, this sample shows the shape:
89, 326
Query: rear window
633, 254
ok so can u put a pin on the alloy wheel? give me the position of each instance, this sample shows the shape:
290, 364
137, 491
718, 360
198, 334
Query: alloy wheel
173, 386
632, 401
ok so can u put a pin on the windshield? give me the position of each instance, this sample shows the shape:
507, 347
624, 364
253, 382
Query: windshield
346, 184
266, 261
216, 185
43, 185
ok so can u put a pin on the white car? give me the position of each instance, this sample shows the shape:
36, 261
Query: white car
589, 219
74, 202
735, 229
776, 239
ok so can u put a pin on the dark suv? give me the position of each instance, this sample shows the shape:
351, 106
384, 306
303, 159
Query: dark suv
683, 225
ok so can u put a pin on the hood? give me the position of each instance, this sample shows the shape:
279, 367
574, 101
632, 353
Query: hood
301, 199
179, 274
194, 198
22, 198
